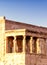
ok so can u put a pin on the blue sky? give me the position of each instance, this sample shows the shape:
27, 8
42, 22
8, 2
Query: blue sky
27, 11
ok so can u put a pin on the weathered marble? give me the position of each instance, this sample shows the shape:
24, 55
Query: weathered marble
22, 44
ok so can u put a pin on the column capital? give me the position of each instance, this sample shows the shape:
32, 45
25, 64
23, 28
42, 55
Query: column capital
31, 38
14, 37
24, 36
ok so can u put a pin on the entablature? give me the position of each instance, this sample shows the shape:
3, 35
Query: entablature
26, 32
16, 32
36, 34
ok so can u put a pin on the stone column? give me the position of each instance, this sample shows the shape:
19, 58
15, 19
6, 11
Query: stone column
43, 42
31, 42
15, 44
41, 46
24, 43
38, 46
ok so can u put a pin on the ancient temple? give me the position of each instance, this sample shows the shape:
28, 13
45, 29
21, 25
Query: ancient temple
22, 44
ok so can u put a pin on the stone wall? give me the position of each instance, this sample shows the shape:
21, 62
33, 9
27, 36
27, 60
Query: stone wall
35, 59
14, 59
22, 59
2, 38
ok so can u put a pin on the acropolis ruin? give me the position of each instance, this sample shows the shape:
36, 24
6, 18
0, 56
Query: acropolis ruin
22, 44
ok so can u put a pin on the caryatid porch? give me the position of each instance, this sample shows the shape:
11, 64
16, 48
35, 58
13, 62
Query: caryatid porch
24, 41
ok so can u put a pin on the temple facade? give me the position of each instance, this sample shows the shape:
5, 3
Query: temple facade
22, 44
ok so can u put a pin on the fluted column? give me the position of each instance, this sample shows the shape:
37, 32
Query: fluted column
31, 42
24, 43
